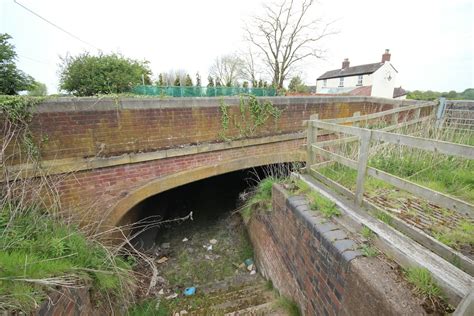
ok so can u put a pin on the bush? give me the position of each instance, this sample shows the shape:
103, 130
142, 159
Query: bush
87, 75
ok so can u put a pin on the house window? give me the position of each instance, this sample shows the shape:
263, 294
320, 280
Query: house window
359, 81
325, 83
341, 82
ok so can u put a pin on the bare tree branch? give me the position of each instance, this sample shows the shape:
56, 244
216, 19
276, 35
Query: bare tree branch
285, 35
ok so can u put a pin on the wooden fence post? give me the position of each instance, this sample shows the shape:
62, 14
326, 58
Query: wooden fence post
395, 115
362, 167
357, 123
311, 137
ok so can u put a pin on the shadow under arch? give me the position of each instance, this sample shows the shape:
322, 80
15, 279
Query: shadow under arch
124, 205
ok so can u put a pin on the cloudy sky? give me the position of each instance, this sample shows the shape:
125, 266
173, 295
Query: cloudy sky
431, 41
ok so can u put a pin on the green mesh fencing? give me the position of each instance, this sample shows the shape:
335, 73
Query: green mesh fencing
202, 91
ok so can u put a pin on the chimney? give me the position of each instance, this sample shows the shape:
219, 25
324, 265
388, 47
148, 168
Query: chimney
345, 63
386, 56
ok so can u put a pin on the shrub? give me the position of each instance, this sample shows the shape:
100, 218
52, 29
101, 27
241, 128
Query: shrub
86, 75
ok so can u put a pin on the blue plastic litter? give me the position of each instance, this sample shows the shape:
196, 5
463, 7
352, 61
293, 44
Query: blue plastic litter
248, 262
189, 291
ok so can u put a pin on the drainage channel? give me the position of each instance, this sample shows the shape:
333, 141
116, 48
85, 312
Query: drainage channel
205, 263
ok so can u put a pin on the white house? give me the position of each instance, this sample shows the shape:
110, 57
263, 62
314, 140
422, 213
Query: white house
377, 79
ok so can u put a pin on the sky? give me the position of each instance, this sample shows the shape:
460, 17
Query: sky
431, 41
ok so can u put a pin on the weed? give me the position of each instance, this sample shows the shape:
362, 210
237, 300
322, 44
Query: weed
289, 306
323, 205
423, 281
269, 285
369, 251
47, 248
261, 197
384, 217
150, 307
367, 233
462, 234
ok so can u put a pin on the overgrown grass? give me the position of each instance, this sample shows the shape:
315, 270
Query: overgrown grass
423, 281
40, 252
289, 306
462, 234
261, 198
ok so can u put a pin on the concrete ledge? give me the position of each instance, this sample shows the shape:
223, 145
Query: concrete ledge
71, 104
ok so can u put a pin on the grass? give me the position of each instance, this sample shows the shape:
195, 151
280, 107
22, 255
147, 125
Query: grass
149, 307
462, 234
369, 251
318, 202
39, 251
384, 217
289, 306
261, 198
423, 281
367, 233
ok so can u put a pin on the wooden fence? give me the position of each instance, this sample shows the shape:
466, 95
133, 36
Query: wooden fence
316, 150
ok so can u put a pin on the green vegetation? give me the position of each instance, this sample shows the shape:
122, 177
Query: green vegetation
289, 306
86, 75
297, 85
40, 251
384, 217
37, 89
423, 281
17, 112
150, 307
369, 251
317, 201
462, 234
12, 79
252, 115
261, 198
367, 233
467, 94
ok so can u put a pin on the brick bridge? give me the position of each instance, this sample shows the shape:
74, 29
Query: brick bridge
112, 154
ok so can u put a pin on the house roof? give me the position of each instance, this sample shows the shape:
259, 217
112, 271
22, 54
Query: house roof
351, 71
398, 92
362, 91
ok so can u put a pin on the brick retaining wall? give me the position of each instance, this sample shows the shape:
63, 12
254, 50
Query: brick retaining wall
313, 261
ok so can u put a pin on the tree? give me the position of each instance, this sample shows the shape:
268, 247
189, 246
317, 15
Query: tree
188, 82
198, 79
161, 81
12, 79
86, 75
297, 85
38, 89
210, 83
218, 82
285, 36
177, 81
227, 68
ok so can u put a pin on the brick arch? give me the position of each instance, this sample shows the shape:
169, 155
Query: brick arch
161, 184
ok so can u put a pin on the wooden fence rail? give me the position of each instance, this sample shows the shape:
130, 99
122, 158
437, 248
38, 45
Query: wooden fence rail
366, 136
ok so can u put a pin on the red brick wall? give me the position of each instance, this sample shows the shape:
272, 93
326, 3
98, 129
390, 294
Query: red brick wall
98, 190
91, 127
315, 262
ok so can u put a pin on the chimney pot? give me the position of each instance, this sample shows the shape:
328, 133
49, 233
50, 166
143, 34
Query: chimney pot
386, 56
345, 63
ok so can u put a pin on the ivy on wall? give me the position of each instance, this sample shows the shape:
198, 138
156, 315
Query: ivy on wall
252, 114
17, 115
